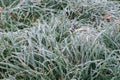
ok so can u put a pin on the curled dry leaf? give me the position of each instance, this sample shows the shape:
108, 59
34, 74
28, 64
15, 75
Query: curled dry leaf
107, 17
1, 9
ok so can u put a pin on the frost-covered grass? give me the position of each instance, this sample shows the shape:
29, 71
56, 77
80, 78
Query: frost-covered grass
59, 40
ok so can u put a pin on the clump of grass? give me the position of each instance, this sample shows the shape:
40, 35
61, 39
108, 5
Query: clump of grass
21, 15
47, 50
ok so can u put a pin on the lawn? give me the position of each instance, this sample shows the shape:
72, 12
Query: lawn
59, 40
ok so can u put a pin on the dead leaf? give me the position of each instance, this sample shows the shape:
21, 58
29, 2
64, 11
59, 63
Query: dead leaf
107, 17
1, 9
